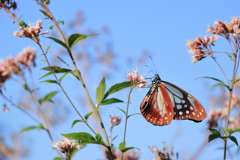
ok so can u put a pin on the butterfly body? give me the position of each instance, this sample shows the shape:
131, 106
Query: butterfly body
165, 102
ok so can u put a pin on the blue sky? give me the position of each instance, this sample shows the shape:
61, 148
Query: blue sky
160, 27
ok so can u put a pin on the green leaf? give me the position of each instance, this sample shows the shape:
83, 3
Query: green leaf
20, 17
236, 130
129, 148
214, 132
47, 97
88, 115
100, 91
75, 38
47, 49
110, 101
114, 138
121, 110
99, 138
61, 22
233, 139
25, 86
83, 137
230, 57
220, 82
117, 87
51, 27
43, 60
58, 158
49, 81
133, 114
45, 13
56, 69
64, 75
75, 122
122, 146
32, 127
224, 130
59, 42
212, 137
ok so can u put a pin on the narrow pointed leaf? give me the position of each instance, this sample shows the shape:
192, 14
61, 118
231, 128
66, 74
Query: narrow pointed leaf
32, 127
88, 115
220, 82
45, 13
224, 130
133, 114
64, 75
56, 69
129, 148
121, 110
99, 138
236, 130
83, 137
212, 137
75, 38
117, 87
75, 122
100, 91
230, 57
59, 42
49, 81
49, 96
233, 139
110, 101
215, 132
114, 138
25, 86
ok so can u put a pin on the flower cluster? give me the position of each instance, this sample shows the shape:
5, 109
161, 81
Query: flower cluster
129, 155
138, 80
16, 64
221, 113
163, 154
199, 48
221, 28
114, 120
66, 145
27, 57
30, 31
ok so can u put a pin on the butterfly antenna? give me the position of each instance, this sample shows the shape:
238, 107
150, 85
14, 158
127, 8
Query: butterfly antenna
153, 64
151, 70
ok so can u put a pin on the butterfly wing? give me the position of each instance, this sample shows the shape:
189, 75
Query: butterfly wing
157, 106
185, 105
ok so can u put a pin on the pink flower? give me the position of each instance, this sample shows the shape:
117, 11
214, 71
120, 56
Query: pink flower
138, 80
30, 31
27, 56
114, 120
199, 47
66, 145
234, 102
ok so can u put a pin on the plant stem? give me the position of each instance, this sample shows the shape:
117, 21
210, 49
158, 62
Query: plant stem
126, 118
226, 127
58, 82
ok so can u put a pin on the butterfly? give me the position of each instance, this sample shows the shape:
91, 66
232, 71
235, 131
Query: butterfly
165, 102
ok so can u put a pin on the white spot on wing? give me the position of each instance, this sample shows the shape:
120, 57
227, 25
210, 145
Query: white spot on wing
179, 106
180, 113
